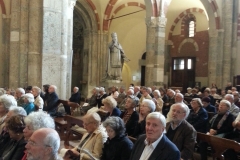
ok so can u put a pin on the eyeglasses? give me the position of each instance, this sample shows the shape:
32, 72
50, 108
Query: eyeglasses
177, 111
32, 143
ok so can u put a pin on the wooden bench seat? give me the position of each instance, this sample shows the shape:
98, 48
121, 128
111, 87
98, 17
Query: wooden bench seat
219, 145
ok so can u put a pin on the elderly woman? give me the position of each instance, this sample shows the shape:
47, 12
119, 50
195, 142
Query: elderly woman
35, 121
118, 145
158, 100
92, 141
110, 105
4, 135
38, 101
6, 101
130, 116
146, 107
198, 116
28, 103
15, 149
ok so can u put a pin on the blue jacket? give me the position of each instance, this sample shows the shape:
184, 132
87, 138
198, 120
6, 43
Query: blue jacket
29, 107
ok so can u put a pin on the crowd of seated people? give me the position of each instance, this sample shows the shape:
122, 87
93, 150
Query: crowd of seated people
160, 118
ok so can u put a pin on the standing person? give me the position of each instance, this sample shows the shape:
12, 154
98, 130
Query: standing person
52, 100
116, 59
154, 145
116, 139
38, 101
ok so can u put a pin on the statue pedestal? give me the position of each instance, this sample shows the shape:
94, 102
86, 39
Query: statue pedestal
110, 83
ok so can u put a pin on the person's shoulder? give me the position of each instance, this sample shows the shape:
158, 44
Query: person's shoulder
187, 125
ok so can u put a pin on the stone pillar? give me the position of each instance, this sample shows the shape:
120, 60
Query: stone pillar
4, 69
237, 59
150, 50
55, 44
14, 58
227, 49
35, 39
155, 51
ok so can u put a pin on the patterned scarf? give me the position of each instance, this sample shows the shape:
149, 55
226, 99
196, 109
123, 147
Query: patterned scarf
222, 120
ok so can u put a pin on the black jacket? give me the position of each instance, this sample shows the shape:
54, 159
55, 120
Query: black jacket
75, 97
15, 151
118, 148
131, 123
51, 103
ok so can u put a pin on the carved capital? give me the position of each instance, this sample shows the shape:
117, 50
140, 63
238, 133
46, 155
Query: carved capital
156, 21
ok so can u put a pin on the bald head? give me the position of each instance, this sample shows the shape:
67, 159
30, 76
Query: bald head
43, 144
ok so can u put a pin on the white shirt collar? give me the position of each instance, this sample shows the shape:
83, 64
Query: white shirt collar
154, 144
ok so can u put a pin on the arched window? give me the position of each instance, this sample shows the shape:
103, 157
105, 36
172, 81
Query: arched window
191, 28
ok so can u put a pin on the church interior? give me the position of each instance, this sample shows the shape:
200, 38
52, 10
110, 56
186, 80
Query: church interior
171, 43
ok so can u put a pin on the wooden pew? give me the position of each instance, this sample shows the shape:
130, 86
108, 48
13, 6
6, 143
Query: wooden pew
78, 130
219, 145
132, 139
72, 105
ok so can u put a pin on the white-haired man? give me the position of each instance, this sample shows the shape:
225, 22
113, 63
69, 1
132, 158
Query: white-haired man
101, 96
154, 145
51, 101
19, 96
233, 109
43, 144
179, 131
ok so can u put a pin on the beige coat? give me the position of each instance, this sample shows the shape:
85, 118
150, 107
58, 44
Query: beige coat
94, 144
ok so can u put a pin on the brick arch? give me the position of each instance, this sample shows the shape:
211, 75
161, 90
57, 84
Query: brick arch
181, 15
3, 7
185, 21
214, 7
91, 4
107, 13
188, 40
107, 22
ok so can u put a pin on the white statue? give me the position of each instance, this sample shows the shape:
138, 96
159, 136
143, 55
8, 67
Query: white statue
116, 58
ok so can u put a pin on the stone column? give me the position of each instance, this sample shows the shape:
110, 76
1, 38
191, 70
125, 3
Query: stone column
155, 51
18, 44
4, 69
237, 53
35, 39
227, 49
150, 50
55, 44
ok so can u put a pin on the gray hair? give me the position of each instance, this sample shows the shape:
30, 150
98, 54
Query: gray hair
39, 120
55, 87
183, 106
37, 89
198, 100
93, 117
226, 102
2, 91
21, 90
116, 123
149, 90
157, 92
111, 101
150, 104
18, 110
157, 115
132, 91
8, 101
230, 97
29, 97
52, 140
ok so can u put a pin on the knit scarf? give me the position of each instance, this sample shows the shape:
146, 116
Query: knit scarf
222, 120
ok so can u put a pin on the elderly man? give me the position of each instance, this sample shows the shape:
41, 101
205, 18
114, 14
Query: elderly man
137, 92
180, 132
166, 107
51, 101
236, 98
233, 109
101, 96
154, 145
43, 144
75, 97
19, 96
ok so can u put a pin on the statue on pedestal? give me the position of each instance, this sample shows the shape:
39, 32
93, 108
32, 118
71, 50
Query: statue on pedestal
116, 58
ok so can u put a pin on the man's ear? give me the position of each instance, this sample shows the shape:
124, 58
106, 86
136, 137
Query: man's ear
48, 150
